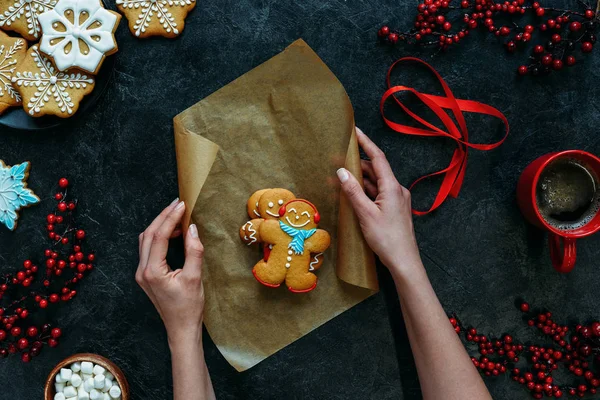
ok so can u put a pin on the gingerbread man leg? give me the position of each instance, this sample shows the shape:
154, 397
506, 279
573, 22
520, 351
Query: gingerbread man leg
269, 273
298, 278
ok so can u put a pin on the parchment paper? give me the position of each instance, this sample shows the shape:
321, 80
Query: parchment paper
287, 123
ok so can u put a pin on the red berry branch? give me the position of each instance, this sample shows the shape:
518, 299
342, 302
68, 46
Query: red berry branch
29, 291
578, 354
563, 31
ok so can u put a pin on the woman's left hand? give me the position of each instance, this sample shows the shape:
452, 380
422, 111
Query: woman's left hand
178, 295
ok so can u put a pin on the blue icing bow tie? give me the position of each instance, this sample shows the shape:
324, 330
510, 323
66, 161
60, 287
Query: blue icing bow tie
298, 237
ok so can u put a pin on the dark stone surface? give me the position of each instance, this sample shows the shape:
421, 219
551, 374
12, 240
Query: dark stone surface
478, 250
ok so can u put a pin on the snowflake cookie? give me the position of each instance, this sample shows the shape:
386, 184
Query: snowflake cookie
14, 193
21, 16
79, 34
156, 17
47, 91
12, 51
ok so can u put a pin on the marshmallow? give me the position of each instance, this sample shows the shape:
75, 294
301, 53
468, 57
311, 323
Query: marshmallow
87, 367
59, 387
99, 370
59, 379
115, 392
95, 395
59, 396
88, 385
109, 376
76, 380
76, 366
65, 373
107, 385
83, 395
105, 396
70, 391
99, 381
85, 377
71, 398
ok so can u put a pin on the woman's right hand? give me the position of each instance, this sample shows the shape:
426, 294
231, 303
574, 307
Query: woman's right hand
386, 223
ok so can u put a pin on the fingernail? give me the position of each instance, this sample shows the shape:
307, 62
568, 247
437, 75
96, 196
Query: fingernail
174, 201
180, 205
342, 175
359, 131
194, 231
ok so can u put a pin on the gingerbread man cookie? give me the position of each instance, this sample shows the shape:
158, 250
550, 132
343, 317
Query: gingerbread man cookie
12, 51
294, 236
263, 204
156, 17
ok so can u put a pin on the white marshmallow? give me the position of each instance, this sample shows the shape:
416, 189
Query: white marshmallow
95, 395
59, 396
59, 387
59, 379
76, 366
115, 392
87, 367
71, 398
70, 391
88, 385
76, 380
65, 373
105, 396
99, 370
99, 381
85, 377
107, 385
83, 395
109, 376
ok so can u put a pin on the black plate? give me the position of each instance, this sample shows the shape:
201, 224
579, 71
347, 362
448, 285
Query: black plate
17, 118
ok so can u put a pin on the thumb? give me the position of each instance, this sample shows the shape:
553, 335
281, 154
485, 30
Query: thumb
362, 205
194, 253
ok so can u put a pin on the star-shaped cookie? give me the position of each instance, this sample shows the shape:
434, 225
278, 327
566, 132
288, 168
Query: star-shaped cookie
45, 90
12, 51
156, 17
21, 16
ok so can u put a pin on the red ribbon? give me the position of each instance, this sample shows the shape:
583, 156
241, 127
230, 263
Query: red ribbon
455, 172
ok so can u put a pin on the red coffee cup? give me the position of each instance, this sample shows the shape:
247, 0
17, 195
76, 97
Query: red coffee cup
563, 257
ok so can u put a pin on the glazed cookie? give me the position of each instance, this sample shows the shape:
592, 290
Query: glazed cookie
14, 193
12, 51
252, 205
45, 90
294, 237
156, 17
21, 16
263, 204
79, 34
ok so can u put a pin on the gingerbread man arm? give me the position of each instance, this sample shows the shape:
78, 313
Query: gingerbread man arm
250, 231
271, 233
318, 243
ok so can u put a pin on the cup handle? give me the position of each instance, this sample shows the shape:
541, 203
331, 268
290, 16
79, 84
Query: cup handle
563, 259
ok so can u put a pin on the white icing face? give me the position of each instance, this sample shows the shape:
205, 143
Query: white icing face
78, 39
304, 216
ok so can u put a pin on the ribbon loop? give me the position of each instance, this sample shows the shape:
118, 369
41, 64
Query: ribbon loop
455, 172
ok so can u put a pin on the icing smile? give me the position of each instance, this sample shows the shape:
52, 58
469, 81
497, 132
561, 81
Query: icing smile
294, 225
272, 215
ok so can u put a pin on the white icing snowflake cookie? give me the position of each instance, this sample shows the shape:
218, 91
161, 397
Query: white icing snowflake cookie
12, 51
21, 16
47, 91
14, 193
156, 17
79, 34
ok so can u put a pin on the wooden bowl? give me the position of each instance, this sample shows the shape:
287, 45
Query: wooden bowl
111, 367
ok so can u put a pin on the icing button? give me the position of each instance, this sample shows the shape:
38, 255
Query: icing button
287, 265
289, 258
290, 252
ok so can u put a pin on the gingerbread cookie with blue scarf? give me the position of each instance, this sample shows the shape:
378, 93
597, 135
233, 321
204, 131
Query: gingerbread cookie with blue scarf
294, 238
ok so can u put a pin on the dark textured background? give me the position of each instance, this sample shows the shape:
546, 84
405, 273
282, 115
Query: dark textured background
479, 252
